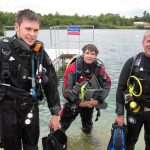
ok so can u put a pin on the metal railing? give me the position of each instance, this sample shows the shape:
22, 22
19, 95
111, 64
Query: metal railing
60, 37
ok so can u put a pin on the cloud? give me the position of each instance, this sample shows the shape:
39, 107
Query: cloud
127, 8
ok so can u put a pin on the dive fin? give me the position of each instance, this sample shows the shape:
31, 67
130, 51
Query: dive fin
117, 139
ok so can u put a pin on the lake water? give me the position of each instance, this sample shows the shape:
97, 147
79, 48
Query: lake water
115, 47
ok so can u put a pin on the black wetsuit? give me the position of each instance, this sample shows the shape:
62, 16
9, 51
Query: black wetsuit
135, 121
16, 102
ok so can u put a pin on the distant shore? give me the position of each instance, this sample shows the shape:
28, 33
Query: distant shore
102, 27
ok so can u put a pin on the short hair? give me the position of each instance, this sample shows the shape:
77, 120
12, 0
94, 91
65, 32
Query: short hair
91, 48
27, 14
145, 34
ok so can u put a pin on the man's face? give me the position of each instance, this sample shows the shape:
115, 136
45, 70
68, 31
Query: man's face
146, 44
89, 57
28, 31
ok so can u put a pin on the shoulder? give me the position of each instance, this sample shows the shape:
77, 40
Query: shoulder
46, 58
5, 40
76, 61
76, 58
71, 67
100, 67
98, 63
133, 59
130, 60
5, 46
128, 65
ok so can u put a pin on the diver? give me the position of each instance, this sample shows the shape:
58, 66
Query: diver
133, 94
86, 85
25, 72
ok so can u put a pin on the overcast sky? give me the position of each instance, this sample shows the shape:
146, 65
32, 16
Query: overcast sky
127, 8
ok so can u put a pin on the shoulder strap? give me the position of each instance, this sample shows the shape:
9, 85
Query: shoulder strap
73, 60
136, 62
98, 64
40, 76
79, 61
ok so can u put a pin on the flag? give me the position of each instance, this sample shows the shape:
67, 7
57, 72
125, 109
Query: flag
73, 30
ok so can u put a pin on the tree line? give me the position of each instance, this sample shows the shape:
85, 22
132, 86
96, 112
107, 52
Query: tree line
107, 21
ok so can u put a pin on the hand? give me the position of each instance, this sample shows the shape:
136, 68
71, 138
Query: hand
84, 104
93, 102
120, 120
88, 104
54, 123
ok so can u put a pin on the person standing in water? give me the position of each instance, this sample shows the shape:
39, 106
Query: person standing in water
25, 72
133, 93
84, 72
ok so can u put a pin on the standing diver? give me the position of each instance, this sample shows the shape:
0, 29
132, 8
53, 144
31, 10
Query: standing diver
133, 93
25, 71
79, 91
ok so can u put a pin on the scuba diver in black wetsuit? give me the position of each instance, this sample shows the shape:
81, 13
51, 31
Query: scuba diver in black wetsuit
25, 71
133, 93
82, 73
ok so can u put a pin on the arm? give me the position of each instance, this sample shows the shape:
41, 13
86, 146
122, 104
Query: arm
51, 92
122, 86
69, 93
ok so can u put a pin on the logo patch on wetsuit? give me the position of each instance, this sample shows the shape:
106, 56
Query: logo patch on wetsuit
5, 40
